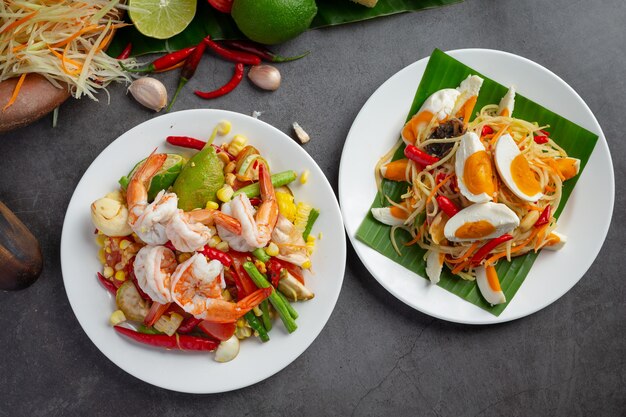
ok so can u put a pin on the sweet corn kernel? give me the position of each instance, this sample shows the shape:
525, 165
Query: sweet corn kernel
230, 167
304, 177
223, 127
183, 257
107, 249
260, 266
257, 311
223, 246
120, 275
108, 272
212, 205
101, 257
223, 157
100, 239
241, 322
237, 144
307, 264
117, 317
310, 244
230, 179
226, 295
124, 244
225, 193
213, 242
272, 249
243, 332
286, 206
303, 210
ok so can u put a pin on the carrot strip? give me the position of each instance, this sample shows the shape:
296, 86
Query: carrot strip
469, 252
16, 91
19, 22
64, 59
173, 67
438, 186
414, 240
496, 136
516, 249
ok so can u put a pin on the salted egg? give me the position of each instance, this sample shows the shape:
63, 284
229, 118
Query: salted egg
473, 170
515, 171
489, 285
480, 221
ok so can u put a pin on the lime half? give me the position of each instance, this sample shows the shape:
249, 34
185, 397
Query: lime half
163, 179
161, 19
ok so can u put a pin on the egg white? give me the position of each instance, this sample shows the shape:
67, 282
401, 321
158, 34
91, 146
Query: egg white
505, 152
507, 102
499, 215
441, 103
469, 87
433, 266
492, 297
470, 144
383, 215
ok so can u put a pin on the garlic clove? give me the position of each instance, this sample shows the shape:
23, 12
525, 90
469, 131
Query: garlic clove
300, 133
227, 350
149, 92
265, 76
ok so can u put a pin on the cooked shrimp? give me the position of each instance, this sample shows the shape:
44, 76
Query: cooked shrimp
148, 220
291, 245
256, 227
153, 268
197, 287
189, 232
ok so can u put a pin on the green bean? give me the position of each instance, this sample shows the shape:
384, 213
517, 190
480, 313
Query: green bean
260, 254
267, 320
313, 215
292, 311
278, 180
256, 325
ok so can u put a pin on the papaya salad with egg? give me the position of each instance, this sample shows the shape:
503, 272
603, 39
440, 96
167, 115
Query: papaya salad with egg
477, 191
205, 252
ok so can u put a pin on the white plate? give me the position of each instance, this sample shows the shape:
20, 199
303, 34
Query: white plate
195, 372
376, 129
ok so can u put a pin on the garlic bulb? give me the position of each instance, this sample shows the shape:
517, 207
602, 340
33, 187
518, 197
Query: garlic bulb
110, 215
149, 92
264, 76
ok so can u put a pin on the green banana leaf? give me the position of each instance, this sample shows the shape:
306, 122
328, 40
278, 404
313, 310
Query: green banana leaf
208, 21
444, 71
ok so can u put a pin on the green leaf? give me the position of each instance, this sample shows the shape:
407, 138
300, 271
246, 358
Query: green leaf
208, 21
444, 71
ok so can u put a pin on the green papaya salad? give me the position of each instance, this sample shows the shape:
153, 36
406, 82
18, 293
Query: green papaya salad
204, 252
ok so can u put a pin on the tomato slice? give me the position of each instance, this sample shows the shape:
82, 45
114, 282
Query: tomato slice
220, 331
245, 285
155, 312
223, 6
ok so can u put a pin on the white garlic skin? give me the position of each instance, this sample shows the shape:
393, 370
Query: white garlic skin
149, 92
266, 77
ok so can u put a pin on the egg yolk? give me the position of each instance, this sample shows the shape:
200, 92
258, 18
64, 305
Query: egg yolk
398, 213
567, 167
475, 230
478, 175
466, 109
396, 170
411, 129
492, 278
524, 177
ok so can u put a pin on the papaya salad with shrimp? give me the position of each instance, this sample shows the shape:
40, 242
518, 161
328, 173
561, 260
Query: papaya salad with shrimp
477, 191
205, 252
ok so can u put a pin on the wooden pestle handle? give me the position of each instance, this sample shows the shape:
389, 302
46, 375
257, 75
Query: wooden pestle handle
20, 255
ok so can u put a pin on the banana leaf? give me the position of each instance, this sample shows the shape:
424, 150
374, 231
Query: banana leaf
208, 21
444, 71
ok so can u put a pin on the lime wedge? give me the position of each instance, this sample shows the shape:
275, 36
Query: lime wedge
163, 179
199, 180
161, 19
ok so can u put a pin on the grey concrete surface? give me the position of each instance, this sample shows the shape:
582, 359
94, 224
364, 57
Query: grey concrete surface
375, 356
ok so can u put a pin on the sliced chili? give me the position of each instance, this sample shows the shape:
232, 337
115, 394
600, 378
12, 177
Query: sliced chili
544, 217
226, 88
487, 130
417, 155
176, 341
541, 139
260, 51
218, 255
235, 56
188, 325
482, 253
447, 205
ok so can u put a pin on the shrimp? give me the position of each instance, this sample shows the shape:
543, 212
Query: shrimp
153, 268
290, 242
188, 232
197, 287
256, 226
148, 220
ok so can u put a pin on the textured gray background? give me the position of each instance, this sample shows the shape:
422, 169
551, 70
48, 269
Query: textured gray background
375, 356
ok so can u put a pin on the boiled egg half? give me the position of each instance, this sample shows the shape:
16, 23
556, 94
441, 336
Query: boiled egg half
515, 171
473, 170
489, 285
480, 221
439, 105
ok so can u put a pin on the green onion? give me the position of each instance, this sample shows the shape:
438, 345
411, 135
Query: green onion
257, 326
278, 303
313, 215
278, 180
260, 254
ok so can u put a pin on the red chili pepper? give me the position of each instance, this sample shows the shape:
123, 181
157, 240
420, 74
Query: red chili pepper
108, 285
182, 342
126, 52
482, 253
235, 56
487, 130
188, 325
226, 88
261, 51
273, 271
545, 132
417, 155
213, 253
186, 142
224, 6
447, 205
170, 246
243, 282
164, 62
544, 217
189, 69
130, 272
540, 139
255, 201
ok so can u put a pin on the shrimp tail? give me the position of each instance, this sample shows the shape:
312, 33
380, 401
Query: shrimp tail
267, 213
220, 311
137, 190
209, 217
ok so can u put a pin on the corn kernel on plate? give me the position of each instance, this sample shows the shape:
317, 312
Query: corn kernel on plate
84, 253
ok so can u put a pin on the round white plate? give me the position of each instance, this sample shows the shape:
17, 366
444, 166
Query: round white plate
195, 372
377, 128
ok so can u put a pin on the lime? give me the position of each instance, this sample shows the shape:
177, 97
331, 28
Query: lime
163, 179
199, 180
161, 19
273, 21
